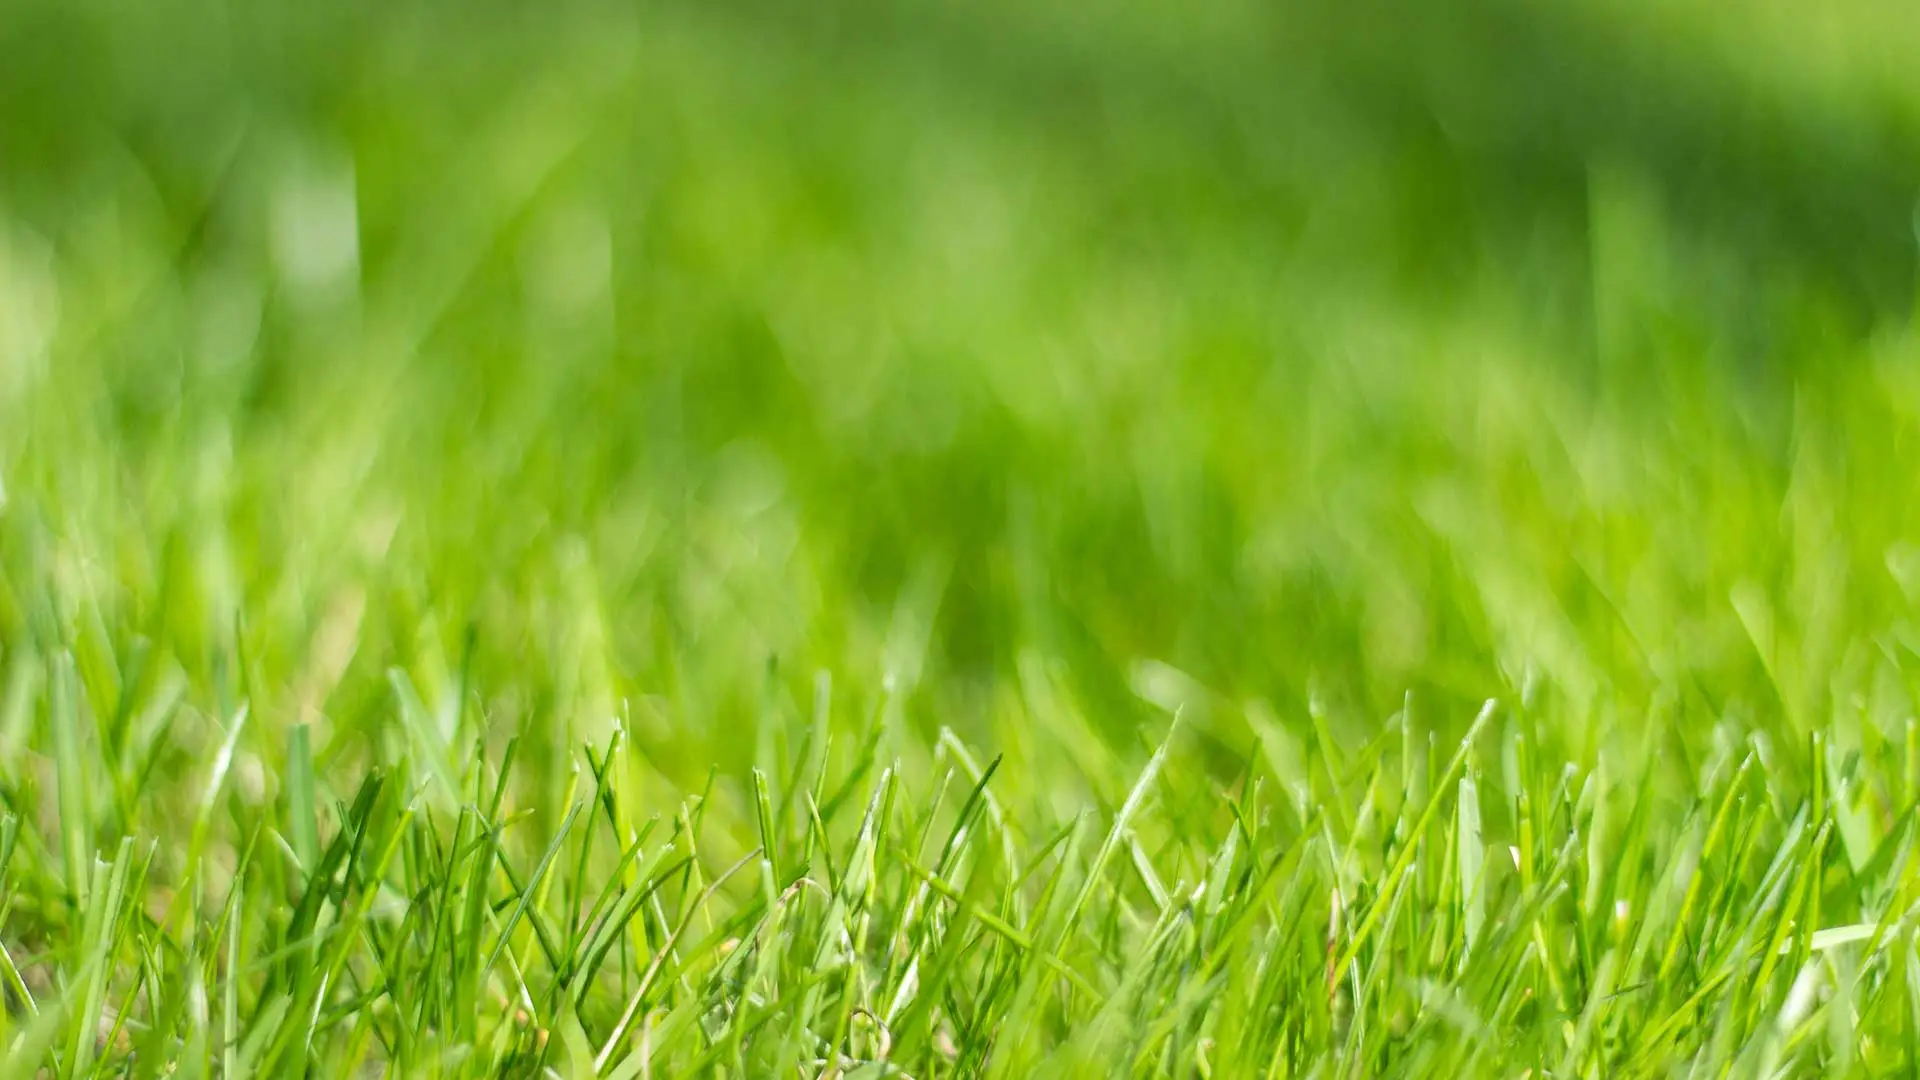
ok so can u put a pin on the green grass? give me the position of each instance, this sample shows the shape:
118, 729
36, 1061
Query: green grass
873, 539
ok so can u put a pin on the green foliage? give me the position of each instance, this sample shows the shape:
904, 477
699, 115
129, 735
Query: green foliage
869, 539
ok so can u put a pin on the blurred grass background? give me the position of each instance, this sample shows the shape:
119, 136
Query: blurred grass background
586, 361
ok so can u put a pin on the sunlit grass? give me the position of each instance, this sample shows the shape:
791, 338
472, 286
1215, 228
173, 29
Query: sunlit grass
874, 540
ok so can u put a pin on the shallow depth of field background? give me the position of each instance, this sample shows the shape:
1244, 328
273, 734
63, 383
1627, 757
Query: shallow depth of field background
1031, 370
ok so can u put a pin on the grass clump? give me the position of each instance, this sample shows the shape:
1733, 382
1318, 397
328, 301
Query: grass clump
878, 540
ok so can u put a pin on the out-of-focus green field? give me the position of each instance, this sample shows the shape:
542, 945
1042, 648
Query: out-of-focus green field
870, 539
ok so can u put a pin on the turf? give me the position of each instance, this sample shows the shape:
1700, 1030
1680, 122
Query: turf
895, 539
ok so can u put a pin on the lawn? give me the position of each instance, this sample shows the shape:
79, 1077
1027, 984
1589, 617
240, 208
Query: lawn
865, 539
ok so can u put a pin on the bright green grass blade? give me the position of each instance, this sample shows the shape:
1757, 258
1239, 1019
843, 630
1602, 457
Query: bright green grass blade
1470, 850
70, 778
302, 814
763, 810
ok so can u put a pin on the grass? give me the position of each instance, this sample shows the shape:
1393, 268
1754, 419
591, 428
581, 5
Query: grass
889, 539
